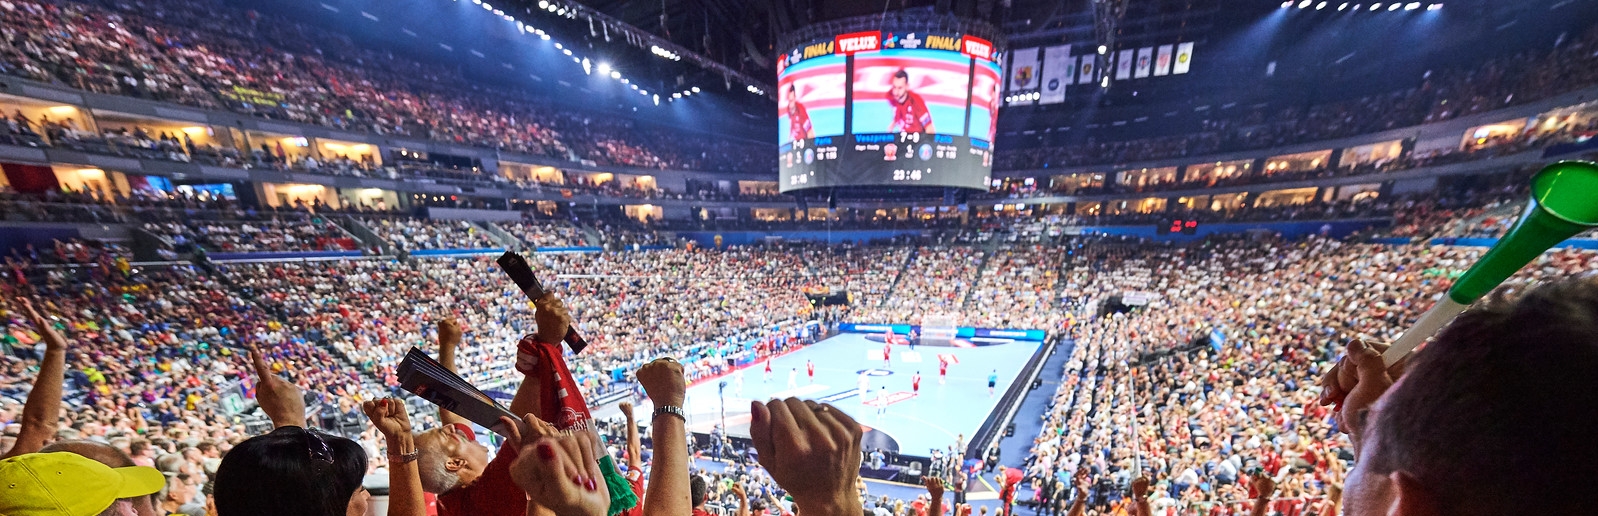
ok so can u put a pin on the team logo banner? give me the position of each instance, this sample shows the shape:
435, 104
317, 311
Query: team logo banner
1024, 69
1058, 66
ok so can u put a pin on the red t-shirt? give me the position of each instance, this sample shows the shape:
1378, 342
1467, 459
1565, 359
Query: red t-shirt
493, 494
635, 479
910, 116
799, 121
701, 512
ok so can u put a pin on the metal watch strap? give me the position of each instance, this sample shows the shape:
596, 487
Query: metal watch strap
404, 458
672, 410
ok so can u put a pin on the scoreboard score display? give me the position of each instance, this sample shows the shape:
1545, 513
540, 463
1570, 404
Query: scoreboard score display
888, 108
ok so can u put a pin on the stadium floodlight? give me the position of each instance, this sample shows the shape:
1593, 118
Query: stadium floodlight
1375, 6
543, 4
603, 68
567, 51
1304, 4
1105, 83
1412, 6
1320, 6
625, 81
561, 12
615, 74
1343, 7
677, 95
1103, 50
478, 2
558, 46
695, 89
544, 35
657, 100
1434, 7
1394, 7
1287, 4
552, 7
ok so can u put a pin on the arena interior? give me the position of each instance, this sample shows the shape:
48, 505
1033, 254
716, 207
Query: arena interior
1058, 257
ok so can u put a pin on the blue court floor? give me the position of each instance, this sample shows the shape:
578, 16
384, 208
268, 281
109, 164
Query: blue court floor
914, 424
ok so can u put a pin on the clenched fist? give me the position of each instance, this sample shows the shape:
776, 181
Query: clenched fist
663, 382
812, 451
552, 319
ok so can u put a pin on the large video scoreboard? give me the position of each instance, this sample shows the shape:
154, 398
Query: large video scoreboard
888, 108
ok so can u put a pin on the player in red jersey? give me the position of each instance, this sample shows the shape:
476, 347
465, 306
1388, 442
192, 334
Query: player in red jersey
943, 370
768, 370
910, 114
810, 369
799, 126
915, 383
887, 351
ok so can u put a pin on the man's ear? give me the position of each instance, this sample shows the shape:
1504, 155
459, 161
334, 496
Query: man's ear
1410, 498
454, 464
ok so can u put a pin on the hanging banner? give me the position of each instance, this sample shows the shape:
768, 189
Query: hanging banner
1024, 70
1184, 58
1123, 65
1145, 62
1162, 63
1058, 67
1087, 68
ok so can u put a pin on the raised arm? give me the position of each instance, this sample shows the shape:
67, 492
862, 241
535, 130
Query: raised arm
667, 492
42, 413
743, 499
1082, 483
404, 479
282, 401
552, 322
1264, 487
635, 447
935, 491
449, 338
1140, 497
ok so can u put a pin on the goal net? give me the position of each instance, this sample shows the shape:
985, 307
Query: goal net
939, 329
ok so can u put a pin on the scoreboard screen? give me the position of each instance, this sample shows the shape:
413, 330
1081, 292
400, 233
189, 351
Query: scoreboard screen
886, 108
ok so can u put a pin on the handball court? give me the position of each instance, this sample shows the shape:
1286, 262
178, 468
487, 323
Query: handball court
911, 424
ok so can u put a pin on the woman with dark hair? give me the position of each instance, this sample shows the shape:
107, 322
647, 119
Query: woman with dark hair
292, 471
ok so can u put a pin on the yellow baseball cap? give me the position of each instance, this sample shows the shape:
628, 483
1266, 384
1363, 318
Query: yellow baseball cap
68, 484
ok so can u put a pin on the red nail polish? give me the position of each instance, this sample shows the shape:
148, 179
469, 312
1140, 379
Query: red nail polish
579, 480
590, 485
545, 452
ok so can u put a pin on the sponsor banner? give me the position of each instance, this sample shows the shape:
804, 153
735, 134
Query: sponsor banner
1123, 65
1145, 63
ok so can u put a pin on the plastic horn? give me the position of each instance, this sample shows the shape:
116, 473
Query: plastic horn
1564, 202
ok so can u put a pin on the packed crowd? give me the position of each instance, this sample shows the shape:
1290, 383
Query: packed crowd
213, 55
418, 234
1150, 393
1145, 394
308, 232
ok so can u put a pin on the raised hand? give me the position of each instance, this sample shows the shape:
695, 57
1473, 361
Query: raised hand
812, 451
282, 401
934, 486
47, 330
388, 417
449, 332
1354, 384
663, 382
557, 470
626, 408
1083, 483
1264, 486
552, 319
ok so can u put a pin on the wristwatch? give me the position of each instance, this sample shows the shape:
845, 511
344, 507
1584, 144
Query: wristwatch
672, 410
404, 458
